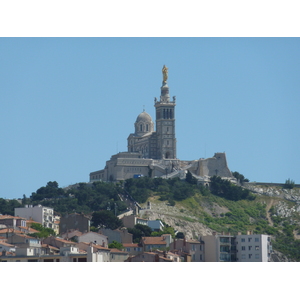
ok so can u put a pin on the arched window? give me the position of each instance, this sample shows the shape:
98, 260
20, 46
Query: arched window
141, 127
147, 127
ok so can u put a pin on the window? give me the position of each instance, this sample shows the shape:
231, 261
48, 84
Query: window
250, 255
250, 247
243, 256
243, 240
256, 256
256, 239
256, 247
243, 248
249, 240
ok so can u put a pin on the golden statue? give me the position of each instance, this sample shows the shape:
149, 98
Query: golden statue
165, 73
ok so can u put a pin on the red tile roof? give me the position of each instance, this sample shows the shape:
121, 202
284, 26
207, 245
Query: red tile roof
10, 217
153, 240
115, 250
50, 247
6, 244
7, 230
96, 246
131, 245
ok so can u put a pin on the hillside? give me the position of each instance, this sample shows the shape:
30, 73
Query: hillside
187, 207
275, 211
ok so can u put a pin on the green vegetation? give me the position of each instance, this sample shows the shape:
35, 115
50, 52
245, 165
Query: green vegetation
289, 184
85, 198
44, 232
116, 245
138, 231
167, 189
241, 178
107, 219
224, 207
228, 190
7, 207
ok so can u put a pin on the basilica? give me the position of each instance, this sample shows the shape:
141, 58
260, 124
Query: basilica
151, 151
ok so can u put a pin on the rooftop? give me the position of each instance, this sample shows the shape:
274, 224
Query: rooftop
153, 240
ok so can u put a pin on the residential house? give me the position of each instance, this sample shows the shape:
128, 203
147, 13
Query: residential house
7, 247
132, 220
194, 249
58, 242
117, 255
170, 255
95, 252
148, 257
49, 250
71, 234
7, 232
150, 243
94, 237
132, 249
74, 221
119, 235
26, 245
12, 221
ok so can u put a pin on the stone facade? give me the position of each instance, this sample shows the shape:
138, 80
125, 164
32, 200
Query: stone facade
153, 153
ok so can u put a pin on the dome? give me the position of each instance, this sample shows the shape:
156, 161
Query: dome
143, 117
143, 124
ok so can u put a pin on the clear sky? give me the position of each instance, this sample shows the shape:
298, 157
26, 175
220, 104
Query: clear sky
68, 104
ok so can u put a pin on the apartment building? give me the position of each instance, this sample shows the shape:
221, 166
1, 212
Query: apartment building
237, 248
253, 248
219, 248
39, 213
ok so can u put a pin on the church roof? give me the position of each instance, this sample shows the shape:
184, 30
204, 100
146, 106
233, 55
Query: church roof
143, 117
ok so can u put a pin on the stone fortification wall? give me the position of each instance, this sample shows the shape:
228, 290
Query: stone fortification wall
216, 165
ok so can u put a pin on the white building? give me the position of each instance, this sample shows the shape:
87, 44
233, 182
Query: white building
155, 225
237, 248
39, 213
253, 248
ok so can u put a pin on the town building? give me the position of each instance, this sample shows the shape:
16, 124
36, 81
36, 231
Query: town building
39, 213
74, 221
118, 235
12, 221
237, 248
192, 248
93, 237
253, 248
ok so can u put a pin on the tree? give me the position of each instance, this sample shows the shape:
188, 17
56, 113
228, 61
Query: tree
289, 184
115, 244
106, 218
190, 178
138, 231
180, 235
44, 232
241, 178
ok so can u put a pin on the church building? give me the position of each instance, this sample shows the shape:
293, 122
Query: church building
152, 152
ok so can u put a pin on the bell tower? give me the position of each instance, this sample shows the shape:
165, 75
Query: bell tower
165, 121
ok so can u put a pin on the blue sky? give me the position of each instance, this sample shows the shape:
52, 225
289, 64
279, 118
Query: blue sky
68, 104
